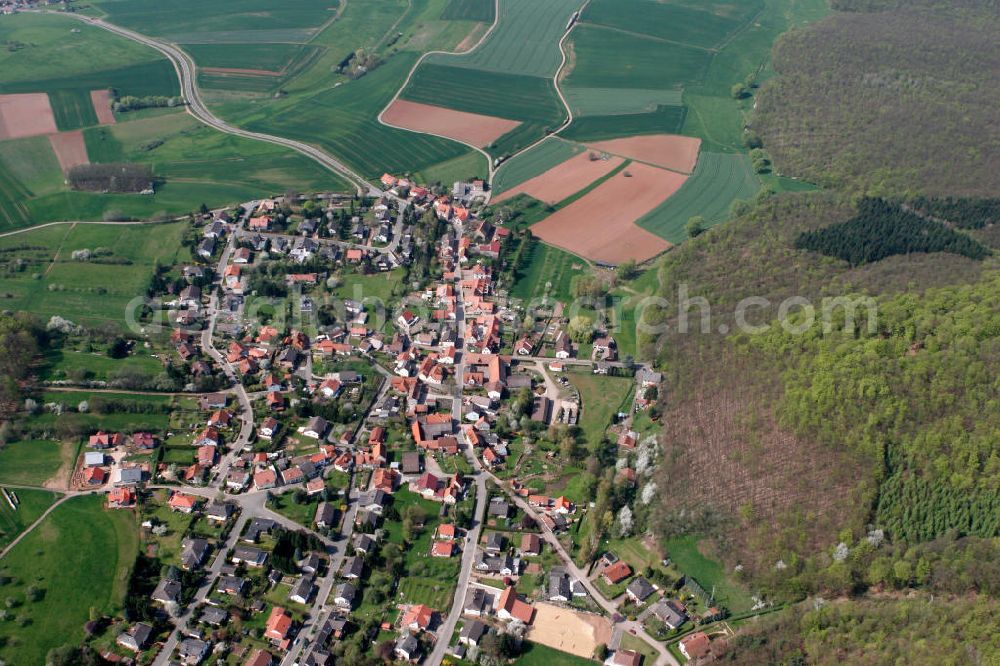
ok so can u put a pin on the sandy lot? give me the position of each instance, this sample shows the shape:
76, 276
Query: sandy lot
470, 128
669, 151
25, 114
101, 99
70, 149
569, 630
564, 179
601, 225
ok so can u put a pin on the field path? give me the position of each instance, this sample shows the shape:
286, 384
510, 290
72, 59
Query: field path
555, 83
186, 72
27, 530
406, 82
52, 224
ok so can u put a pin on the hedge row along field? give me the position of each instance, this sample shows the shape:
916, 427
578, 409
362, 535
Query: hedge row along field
718, 180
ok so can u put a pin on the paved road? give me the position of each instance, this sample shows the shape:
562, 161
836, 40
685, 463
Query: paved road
187, 73
445, 632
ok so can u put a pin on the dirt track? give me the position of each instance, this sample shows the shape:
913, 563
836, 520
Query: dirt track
470, 128
601, 225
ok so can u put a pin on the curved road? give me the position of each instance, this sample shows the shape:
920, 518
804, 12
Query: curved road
187, 71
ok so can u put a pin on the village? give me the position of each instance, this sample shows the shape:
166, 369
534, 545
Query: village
381, 459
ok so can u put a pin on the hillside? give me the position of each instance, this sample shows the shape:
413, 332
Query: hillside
896, 102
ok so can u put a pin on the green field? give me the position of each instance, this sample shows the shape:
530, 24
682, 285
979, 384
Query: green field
52, 283
611, 59
620, 101
88, 553
718, 180
548, 271
154, 76
536, 654
63, 364
601, 397
252, 21
430, 591
525, 40
13, 212
534, 162
72, 108
465, 167
266, 57
530, 99
665, 120
686, 556
31, 505
344, 120
469, 10
33, 462
703, 24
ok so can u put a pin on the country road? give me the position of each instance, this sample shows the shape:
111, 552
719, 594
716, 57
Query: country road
187, 73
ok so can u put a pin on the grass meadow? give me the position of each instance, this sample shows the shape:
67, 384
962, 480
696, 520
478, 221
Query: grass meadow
718, 180
548, 271
52, 283
686, 556
601, 397
536, 654
88, 553
31, 505
32, 462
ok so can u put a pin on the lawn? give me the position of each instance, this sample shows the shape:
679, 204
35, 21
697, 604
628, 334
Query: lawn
649, 653
50, 282
536, 654
686, 556
88, 553
601, 398
718, 180
433, 592
546, 155
302, 514
377, 286
32, 462
156, 418
31, 505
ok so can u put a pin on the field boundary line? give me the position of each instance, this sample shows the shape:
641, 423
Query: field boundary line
409, 77
24, 230
559, 92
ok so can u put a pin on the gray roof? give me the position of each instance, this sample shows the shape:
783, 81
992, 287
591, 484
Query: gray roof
192, 647
215, 616
303, 588
473, 631
167, 590
640, 588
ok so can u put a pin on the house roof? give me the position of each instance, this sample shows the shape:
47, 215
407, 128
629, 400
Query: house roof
419, 615
617, 572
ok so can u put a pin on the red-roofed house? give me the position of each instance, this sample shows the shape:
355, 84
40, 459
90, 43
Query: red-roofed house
616, 573
511, 608
279, 623
182, 502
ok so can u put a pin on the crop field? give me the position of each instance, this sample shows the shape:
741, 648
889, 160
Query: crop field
73, 109
694, 24
526, 98
525, 41
263, 57
52, 283
718, 180
620, 101
88, 554
534, 162
13, 212
611, 59
180, 18
469, 10
347, 116
156, 77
